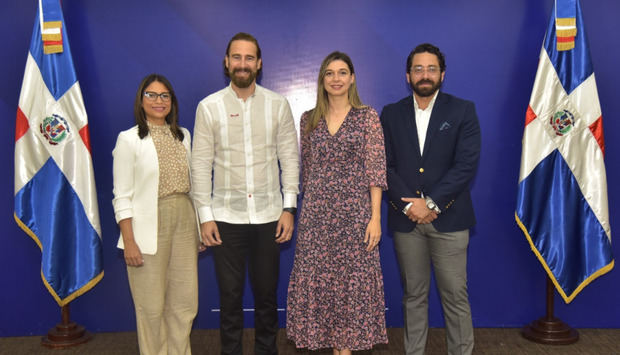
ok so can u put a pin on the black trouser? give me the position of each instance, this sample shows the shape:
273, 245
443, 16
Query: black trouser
241, 242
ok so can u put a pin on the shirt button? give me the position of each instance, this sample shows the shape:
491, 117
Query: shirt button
421, 170
250, 195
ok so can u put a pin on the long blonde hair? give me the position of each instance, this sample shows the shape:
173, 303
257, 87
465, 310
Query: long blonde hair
322, 101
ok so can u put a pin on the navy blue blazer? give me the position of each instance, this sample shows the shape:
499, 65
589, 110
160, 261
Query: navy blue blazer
445, 169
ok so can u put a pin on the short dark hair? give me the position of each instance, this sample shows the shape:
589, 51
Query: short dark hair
427, 48
242, 36
172, 118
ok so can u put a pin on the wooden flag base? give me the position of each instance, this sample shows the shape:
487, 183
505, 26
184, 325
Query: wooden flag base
549, 329
66, 333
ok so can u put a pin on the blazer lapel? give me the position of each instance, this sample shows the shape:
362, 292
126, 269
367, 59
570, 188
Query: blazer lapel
410, 125
433, 124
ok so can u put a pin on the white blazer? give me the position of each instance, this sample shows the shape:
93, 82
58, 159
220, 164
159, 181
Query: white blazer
136, 184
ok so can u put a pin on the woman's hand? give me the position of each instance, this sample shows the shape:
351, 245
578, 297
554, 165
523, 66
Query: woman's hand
133, 256
373, 233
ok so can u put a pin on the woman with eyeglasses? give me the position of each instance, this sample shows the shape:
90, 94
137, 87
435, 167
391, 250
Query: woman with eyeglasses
157, 221
335, 293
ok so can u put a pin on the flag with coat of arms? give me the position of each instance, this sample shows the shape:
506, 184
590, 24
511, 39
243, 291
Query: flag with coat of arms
55, 195
562, 192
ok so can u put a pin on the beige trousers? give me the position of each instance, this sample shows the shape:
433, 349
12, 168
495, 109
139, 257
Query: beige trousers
165, 287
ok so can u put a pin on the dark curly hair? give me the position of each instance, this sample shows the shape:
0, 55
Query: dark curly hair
427, 48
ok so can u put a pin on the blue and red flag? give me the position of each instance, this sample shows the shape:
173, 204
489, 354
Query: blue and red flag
55, 195
562, 193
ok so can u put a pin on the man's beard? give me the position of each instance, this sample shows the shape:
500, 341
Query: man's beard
426, 91
241, 82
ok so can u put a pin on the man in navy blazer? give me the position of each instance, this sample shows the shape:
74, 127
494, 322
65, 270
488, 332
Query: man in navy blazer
432, 143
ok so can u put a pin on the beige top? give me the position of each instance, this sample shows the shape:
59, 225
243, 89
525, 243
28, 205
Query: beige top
173, 165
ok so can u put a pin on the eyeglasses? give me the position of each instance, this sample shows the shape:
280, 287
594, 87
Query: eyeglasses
152, 96
430, 70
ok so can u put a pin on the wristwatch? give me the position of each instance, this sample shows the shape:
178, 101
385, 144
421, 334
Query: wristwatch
431, 205
291, 210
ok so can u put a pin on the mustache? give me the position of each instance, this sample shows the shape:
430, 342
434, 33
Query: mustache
425, 81
241, 70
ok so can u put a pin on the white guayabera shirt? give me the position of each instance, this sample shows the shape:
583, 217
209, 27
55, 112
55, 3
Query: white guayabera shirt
245, 159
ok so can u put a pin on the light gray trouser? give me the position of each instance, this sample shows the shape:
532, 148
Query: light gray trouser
448, 254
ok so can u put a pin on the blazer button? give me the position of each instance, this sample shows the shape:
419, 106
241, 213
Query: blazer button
421, 170
417, 192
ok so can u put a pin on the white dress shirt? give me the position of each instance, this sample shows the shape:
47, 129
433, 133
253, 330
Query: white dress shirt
245, 158
422, 118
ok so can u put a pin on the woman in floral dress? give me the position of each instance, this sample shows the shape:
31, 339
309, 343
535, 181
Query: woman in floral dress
335, 294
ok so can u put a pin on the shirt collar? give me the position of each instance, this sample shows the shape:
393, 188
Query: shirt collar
257, 88
430, 105
159, 129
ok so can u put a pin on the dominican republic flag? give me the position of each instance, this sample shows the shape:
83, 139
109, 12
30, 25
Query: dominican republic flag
55, 196
562, 193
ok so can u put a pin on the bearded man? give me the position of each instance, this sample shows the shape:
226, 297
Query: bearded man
245, 181
432, 143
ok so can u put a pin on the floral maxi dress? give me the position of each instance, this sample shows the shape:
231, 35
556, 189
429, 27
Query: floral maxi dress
335, 294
